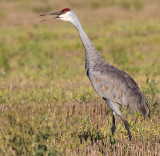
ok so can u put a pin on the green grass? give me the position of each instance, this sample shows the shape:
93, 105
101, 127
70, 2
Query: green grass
47, 104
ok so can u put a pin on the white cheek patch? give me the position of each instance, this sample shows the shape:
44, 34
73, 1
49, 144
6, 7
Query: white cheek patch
65, 16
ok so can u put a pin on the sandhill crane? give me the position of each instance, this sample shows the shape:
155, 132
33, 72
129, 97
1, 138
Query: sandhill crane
115, 86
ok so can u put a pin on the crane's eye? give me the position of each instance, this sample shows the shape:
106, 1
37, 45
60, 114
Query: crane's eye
65, 10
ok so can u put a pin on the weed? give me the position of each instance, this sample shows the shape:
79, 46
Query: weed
138, 5
2, 14
125, 4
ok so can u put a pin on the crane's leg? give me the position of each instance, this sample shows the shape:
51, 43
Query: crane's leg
114, 107
127, 127
113, 120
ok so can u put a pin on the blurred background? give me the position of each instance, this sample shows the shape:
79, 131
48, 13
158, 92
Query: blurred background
46, 101
125, 32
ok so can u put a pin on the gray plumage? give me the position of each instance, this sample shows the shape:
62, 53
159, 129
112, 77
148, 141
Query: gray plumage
113, 85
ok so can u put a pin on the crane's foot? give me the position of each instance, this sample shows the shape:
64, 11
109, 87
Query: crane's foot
113, 129
112, 140
127, 127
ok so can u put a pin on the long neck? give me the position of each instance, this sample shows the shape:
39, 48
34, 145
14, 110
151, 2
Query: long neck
92, 55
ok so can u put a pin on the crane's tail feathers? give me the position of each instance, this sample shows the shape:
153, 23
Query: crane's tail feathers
144, 108
149, 115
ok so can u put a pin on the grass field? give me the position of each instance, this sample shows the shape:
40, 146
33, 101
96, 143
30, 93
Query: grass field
47, 104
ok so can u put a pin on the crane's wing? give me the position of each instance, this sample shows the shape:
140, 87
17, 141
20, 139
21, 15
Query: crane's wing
130, 82
115, 85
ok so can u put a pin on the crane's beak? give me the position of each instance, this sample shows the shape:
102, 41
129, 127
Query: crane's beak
54, 13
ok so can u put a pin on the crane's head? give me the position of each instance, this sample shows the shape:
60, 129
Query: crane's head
65, 15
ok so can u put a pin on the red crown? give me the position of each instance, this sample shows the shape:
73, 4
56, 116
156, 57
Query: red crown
65, 10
